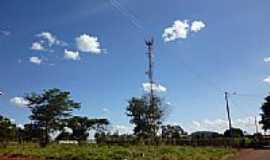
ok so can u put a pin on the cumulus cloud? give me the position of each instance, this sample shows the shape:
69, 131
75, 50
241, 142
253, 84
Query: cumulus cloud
51, 39
37, 46
220, 125
72, 55
19, 101
87, 43
178, 30
45, 41
35, 60
267, 79
156, 87
266, 59
196, 26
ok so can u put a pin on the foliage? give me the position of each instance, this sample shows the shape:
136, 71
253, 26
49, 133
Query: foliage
147, 118
29, 133
266, 114
7, 131
172, 131
49, 110
104, 152
81, 125
235, 132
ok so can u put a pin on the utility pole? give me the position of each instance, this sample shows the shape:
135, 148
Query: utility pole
149, 72
228, 113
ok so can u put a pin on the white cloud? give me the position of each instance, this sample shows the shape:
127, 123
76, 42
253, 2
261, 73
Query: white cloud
12, 120
68, 130
51, 39
5, 32
196, 26
35, 60
122, 129
87, 43
46, 41
178, 30
266, 59
20, 126
156, 87
220, 125
73, 55
19, 101
37, 46
267, 79
105, 110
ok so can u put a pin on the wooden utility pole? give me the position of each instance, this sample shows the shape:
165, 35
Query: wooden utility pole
228, 113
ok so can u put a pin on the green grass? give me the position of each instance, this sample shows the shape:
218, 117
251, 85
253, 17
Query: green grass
95, 152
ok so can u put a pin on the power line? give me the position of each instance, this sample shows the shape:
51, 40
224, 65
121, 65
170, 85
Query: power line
125, 12
210, 83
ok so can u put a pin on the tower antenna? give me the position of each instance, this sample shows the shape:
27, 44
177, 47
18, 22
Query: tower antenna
150, 72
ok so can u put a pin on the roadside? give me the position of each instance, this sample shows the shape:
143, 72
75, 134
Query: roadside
252, 154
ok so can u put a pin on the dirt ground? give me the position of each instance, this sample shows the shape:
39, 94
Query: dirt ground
245, 154
16, 157
252, 154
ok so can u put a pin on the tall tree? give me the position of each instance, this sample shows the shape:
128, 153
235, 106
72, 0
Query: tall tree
49, 110
146, 117
265, 114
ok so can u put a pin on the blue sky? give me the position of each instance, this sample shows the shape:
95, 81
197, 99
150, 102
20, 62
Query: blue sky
95, 49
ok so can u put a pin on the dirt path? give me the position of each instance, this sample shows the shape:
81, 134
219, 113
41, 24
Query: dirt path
252, 154
16, 157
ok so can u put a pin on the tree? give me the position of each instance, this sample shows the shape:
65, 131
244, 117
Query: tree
146, 118
81, 125
49, 110
7, 130
172, 131
265, 114
236, 132
29, 133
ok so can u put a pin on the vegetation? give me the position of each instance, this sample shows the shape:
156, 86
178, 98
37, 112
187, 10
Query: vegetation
80, 127
266, 114
172, 131
146, 117
49, 110
234, 132
140, 152
7, 130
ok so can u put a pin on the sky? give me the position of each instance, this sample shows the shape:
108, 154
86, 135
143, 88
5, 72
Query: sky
95, 49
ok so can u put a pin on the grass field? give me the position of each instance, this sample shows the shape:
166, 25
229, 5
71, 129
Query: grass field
94, 152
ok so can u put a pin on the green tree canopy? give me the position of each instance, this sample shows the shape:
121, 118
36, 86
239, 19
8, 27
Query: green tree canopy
265, 114
81, 125
50, 109
172, 131
7, 130
236, 132
146, 118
